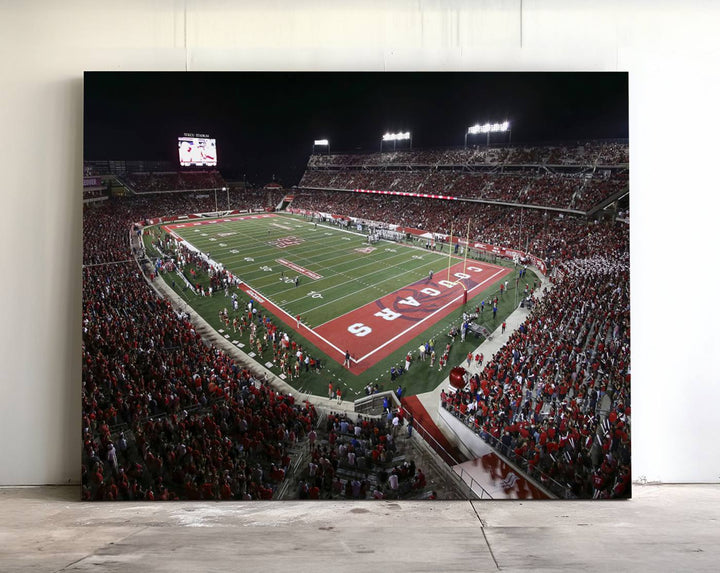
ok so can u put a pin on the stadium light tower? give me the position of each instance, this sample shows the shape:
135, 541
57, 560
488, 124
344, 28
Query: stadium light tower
395, 137
321, 143
489, 128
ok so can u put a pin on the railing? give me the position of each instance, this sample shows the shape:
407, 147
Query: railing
450, 460
472, 484
301, 457
373, 404
560, 490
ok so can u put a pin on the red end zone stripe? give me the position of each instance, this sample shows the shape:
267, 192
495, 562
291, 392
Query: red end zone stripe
290, 321
377, 329
172, 233
299, 269
196, 223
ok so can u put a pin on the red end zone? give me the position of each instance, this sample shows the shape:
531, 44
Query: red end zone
197, 223
375, 330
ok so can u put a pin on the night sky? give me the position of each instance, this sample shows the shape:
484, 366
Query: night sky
265, 122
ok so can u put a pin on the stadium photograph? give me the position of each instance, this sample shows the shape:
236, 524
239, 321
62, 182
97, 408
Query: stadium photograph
328, 286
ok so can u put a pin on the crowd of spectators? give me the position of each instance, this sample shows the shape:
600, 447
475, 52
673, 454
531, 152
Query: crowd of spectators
93, 193
556, 397
265, 336
141, 182
574, 177
165, 415
588, 153
545, 234
540, 188
598, 189
361, 460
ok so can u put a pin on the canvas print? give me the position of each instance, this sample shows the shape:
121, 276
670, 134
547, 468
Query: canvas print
355, 286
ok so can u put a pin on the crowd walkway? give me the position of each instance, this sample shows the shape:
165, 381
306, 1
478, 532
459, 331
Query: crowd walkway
431, 400
428, 404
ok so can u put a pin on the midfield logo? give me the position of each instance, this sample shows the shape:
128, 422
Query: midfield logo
285, 242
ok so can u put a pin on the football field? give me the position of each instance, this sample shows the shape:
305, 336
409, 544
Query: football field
366, 299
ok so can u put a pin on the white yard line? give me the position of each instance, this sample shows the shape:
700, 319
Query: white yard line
265, 250
253, 275
272, 251
335, 273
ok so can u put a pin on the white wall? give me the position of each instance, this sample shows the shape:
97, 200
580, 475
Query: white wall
670, 49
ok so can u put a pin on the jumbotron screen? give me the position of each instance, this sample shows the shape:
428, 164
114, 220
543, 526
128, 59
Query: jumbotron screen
197, 152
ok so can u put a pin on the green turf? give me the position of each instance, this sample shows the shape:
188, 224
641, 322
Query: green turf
350, 281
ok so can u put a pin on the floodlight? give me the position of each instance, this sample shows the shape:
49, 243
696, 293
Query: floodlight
322, 142
487, 128
396, 136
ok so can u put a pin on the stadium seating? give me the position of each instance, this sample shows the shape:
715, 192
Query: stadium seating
588, 153
564, 177
357, 460
556, 397
546, 234
173, 181
166, 416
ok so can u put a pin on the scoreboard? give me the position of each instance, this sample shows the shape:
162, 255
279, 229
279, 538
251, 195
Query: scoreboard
197, 151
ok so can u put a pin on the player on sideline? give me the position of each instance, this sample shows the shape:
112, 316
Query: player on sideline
297, 318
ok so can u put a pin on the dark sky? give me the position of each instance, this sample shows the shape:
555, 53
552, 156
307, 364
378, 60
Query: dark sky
265, 122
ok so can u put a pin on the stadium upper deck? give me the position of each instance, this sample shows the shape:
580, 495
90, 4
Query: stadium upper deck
577, 178
593, 153
143, 182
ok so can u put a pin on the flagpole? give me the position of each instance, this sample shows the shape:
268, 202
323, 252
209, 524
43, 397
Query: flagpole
450, 252
467, 246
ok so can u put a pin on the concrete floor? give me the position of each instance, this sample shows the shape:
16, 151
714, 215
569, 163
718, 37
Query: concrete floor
663, 528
